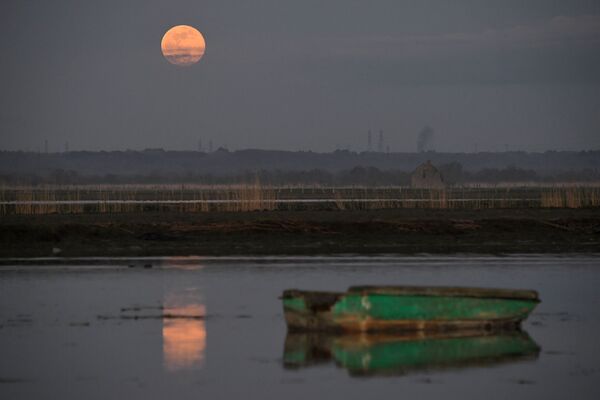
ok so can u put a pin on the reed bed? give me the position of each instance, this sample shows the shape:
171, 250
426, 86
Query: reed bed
574, 197
257, 197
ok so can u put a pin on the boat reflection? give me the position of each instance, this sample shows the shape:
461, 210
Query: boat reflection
184, 336
376, 354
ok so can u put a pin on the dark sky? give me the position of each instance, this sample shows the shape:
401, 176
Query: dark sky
298, 75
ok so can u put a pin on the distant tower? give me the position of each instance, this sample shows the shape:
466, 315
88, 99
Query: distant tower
46, 146
199, 145
210, 146
380, 142
369, 141
66, 147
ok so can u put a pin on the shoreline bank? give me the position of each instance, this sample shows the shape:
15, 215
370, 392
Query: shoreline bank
277, 233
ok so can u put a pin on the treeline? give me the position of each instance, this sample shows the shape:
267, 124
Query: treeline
226, 163
452, 173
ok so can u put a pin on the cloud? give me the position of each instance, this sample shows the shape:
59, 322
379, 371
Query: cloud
558, 32
557, 50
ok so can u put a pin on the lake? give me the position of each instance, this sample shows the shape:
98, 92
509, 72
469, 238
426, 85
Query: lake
214, 328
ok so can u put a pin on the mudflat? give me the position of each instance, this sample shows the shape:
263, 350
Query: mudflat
400, 231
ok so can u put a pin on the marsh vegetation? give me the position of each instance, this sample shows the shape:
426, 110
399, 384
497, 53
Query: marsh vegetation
76, 199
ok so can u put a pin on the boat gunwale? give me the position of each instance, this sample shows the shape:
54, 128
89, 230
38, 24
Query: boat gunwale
426, 291
448, 291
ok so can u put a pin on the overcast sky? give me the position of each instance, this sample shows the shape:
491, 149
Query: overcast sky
299, 75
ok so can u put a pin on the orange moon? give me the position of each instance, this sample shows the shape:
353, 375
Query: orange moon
183, 45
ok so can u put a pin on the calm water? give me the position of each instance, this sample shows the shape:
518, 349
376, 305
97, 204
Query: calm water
71, 332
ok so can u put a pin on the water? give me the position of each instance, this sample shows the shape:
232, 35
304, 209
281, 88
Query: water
70, 332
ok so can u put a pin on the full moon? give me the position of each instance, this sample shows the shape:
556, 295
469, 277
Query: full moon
183, 45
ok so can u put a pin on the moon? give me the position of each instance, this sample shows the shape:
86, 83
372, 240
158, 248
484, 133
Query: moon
183, 45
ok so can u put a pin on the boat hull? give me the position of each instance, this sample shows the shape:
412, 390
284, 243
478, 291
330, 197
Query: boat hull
373, 311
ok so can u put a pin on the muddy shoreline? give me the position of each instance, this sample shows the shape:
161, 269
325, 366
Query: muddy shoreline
303, 233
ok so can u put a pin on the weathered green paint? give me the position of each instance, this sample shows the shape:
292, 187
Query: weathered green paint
414, 354
295, 304
389, 307
370, 309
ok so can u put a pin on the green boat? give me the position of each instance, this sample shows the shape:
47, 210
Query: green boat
407, 308
377, 354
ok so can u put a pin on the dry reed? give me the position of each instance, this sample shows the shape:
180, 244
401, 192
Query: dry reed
257, 197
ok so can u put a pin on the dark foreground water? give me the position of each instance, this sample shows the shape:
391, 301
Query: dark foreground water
214, 329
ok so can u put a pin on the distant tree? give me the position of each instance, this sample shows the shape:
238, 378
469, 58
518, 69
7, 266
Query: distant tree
509, 174
452, 173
